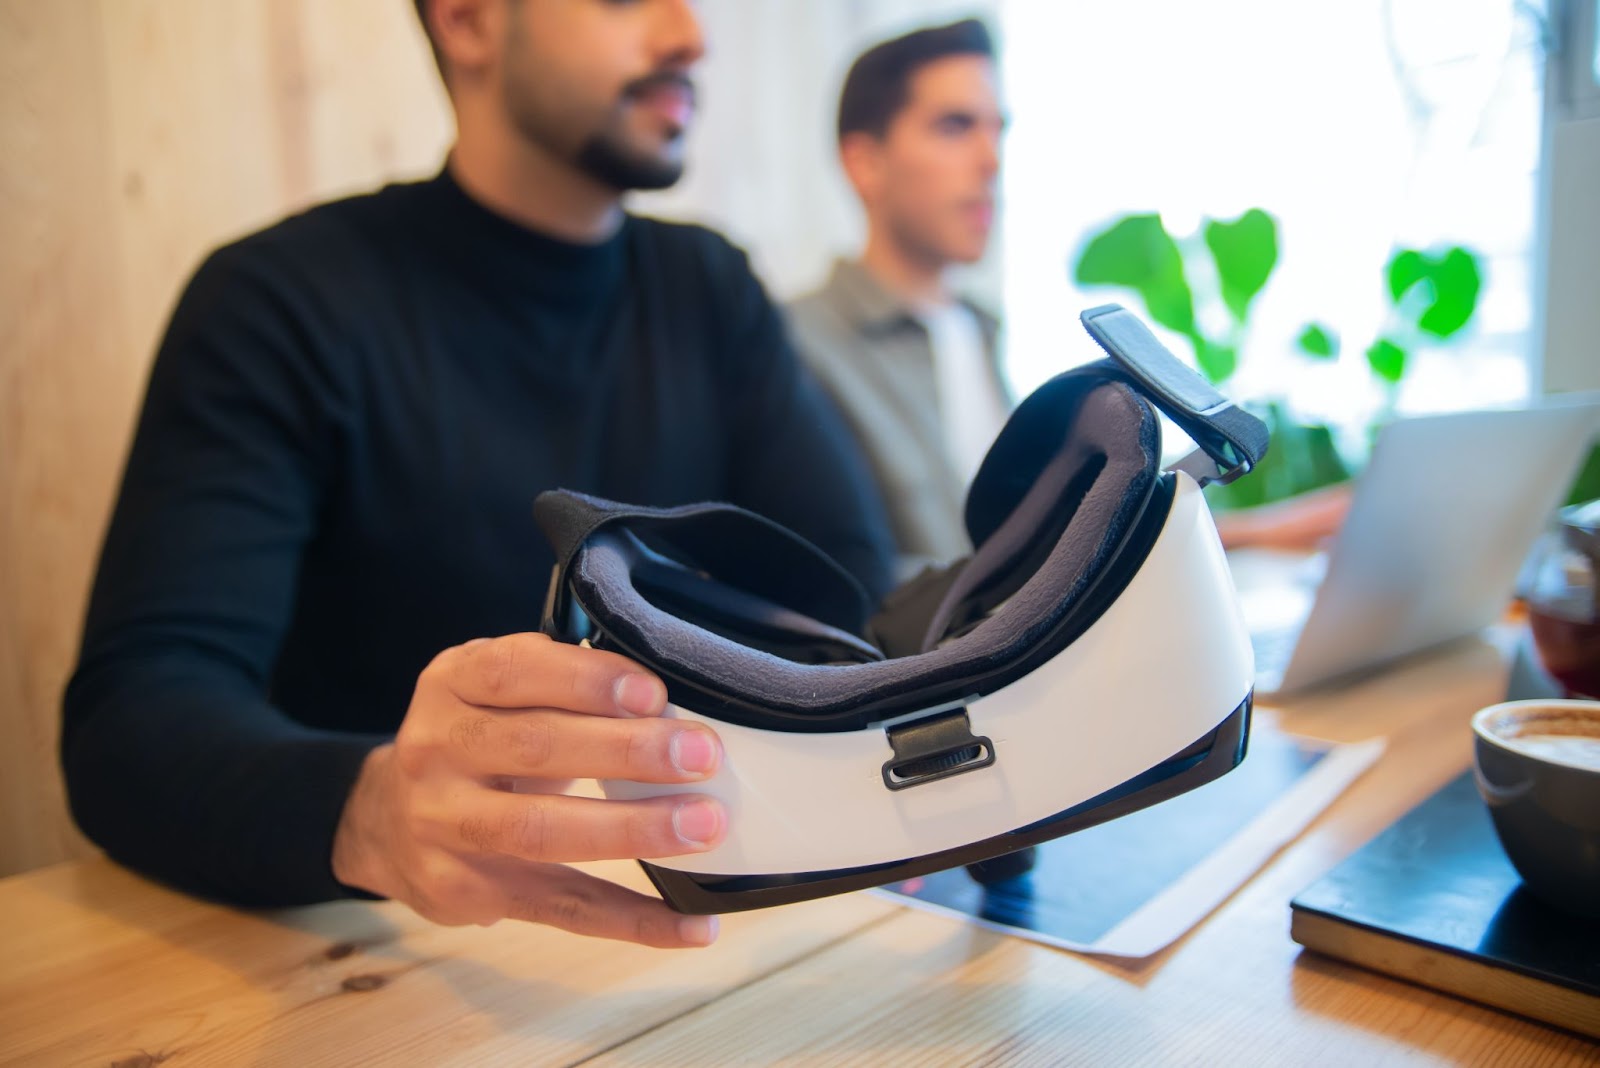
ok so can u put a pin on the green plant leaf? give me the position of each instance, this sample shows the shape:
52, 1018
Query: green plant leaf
1451, 284
1387, 360
1586, 487
1405, 270
1323, 465
1217, 362
1456, 282
1137, 253
1130, 252
1247, 492
1245, 251
1317, 340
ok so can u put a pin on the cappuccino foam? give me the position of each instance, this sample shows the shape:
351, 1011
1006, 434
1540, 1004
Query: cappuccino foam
1578, 749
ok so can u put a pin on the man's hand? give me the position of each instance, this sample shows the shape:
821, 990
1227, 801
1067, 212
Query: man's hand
1295, 524
463, 818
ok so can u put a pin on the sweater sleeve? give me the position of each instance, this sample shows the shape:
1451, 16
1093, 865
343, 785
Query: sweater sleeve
795, 459
176, 762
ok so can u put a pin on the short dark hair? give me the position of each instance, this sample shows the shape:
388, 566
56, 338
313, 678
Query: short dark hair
878, 84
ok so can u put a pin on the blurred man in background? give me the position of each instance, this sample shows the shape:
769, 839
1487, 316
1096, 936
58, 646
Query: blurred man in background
913, 363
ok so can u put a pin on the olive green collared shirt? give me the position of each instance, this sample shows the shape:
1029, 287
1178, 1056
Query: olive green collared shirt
874, 357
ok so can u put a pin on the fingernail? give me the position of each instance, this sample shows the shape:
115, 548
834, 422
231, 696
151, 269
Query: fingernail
693, 752
698, 930
697, 822
640, 694
475, 641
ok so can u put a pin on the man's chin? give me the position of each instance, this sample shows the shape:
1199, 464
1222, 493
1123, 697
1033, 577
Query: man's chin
967, 255
624, 169
974, 247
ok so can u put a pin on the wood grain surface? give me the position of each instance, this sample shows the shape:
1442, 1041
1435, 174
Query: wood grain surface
139, 134
103, 968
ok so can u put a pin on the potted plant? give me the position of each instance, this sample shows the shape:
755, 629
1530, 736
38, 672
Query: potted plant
1432, 296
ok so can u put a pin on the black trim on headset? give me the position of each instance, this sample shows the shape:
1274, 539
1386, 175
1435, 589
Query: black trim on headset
1208, 758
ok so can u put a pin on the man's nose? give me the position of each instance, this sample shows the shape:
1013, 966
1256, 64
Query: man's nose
679, 39
989, 154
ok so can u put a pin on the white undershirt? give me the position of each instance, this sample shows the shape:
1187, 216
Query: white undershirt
971, 407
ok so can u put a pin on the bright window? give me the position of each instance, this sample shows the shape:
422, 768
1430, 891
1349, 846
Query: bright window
1361, 125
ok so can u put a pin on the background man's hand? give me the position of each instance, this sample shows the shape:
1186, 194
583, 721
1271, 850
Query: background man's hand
463, 818
1295, 524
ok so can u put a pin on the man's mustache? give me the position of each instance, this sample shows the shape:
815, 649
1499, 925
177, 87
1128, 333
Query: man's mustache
666, 79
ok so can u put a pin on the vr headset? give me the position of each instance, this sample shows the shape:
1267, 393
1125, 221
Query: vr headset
1086, 661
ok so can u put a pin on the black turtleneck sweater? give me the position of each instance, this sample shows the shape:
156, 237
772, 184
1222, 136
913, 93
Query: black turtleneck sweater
333, 477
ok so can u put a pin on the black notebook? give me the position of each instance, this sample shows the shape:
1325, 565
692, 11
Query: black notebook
1434, 900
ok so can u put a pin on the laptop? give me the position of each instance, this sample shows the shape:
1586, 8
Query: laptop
1442, 519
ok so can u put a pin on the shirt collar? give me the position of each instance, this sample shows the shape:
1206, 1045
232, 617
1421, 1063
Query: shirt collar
863, 300
870, 307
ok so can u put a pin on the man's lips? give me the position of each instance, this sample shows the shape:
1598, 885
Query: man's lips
670, 96
979, 212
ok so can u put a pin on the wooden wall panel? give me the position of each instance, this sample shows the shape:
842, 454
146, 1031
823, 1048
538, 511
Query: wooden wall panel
58, 324
134, 136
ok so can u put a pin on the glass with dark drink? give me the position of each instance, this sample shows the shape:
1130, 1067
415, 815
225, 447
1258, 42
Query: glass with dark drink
1564, 601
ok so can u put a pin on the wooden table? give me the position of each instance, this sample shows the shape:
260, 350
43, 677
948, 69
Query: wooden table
102, 968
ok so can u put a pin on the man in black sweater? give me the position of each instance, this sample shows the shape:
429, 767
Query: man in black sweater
305, 670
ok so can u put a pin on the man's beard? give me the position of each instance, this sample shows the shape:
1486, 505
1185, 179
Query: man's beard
606, 155
607, 160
